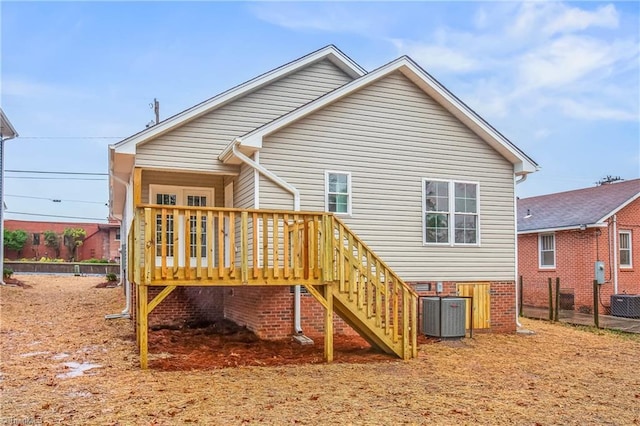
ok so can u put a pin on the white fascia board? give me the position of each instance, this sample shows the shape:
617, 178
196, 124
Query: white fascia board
563, 228
330, 52
5, 125
620, 207
522, 163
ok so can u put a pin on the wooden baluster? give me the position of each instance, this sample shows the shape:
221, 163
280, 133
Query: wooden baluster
198, 244
265, 245
244, 248
385, 277
305, 247
395, 310
163, 243
377, 293
232, 245
360, 279
220, 244
210, 239
350, 265
149, 249
341, 262
176, 242
256, 249
318, 247
296, 247
187, 244
285, 245
275, 240
370, 286
406, 310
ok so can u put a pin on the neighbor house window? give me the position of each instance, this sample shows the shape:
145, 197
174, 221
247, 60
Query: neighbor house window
450, 212
117, 236
547, 250
36, 239
338, 192
625, 249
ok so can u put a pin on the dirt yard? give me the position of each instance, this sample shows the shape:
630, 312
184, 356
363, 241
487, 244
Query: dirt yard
64, 364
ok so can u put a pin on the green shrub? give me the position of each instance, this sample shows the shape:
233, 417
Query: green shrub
111, 277
7, 272
95, 261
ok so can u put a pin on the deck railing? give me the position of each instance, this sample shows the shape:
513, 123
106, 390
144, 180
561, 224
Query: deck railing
222, 246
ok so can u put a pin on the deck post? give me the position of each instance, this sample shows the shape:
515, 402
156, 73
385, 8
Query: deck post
144, 323
405, 324
328, 323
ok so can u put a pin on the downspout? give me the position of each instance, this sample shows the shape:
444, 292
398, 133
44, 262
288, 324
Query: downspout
126, 312
296, 207
2, 141
515, 214
615, 253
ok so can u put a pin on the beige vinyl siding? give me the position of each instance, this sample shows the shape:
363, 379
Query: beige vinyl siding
197, 144
390, 135
163, 177
243, 188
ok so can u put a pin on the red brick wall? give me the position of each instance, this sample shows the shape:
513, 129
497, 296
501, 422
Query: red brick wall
576, 253
185, 305
96, 244
268, 311
502, 303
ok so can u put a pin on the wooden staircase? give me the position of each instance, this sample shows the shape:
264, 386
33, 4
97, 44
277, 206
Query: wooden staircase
367, 294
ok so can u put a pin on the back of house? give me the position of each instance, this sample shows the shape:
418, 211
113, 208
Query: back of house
411, 175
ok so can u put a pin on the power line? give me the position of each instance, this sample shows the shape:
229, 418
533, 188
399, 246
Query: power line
56, 200
52, 178
57, 173
59, 216
71, 137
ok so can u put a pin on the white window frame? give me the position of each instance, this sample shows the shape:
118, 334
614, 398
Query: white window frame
451, 212
540, 238
629, 249
326, 191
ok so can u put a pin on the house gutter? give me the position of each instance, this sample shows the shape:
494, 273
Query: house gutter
296, 207
515, 217
615, 254
2, 141
126, 312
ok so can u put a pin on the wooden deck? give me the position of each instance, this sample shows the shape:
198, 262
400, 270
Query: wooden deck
198, 246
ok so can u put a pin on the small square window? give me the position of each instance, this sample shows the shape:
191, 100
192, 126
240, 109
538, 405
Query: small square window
36, 239
338, 192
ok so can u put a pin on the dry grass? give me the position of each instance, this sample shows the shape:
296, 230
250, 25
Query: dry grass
560, 375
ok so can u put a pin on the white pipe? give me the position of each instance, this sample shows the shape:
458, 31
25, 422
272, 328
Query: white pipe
296, 207
515, 215
126, 312
615, 254
2, 141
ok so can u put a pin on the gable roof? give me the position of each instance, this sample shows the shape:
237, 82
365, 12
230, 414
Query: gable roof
330, 52
571, 209
523, 164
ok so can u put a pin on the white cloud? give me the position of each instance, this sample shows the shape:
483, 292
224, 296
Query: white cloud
557, 18
438, 58
589, 110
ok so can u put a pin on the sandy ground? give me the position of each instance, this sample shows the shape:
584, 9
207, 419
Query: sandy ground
63, 363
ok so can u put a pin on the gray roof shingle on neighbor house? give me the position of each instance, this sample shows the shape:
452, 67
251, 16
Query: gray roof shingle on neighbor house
588, 206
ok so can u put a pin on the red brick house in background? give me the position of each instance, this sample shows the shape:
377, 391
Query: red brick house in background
564, 234
102, 240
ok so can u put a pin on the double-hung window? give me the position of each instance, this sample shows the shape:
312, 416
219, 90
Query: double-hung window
451, 212
624, 238
337, 192
547, 250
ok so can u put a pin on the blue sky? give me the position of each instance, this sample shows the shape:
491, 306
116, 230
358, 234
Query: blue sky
560, 80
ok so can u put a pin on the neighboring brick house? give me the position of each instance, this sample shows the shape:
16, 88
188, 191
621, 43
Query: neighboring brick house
564, 234
102, 240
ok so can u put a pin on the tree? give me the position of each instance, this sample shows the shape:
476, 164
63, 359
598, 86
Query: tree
15, 240
52, 240
73, 239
